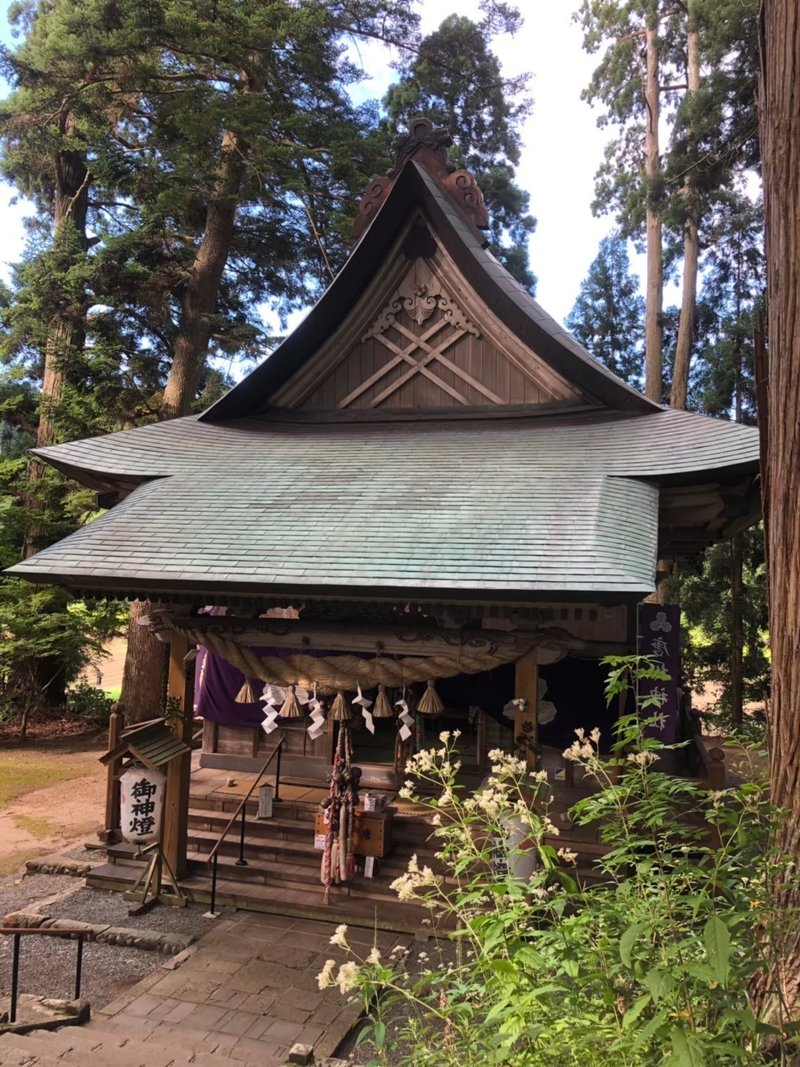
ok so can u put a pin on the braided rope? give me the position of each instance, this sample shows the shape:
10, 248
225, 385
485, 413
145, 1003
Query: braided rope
332, 673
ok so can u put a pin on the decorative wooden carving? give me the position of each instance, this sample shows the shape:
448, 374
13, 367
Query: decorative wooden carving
449, 326
427, 145
420, 305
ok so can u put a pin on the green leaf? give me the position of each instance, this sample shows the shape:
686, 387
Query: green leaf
626, 942
660, 983
686, 1051
717, 940
635, 1010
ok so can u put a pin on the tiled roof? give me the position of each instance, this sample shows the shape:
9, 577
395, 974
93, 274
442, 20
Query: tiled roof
529, 506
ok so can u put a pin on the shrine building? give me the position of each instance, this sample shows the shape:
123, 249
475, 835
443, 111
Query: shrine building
429, 491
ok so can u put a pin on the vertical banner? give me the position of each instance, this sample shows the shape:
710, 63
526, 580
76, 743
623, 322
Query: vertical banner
659, 636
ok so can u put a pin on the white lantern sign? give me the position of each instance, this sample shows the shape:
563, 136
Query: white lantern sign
141, 802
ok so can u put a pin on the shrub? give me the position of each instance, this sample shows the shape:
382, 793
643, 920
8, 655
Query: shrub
651, 965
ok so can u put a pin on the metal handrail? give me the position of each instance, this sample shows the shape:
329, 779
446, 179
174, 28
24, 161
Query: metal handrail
242, 862
18, 932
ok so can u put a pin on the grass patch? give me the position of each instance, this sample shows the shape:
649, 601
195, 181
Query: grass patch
23, 771
36, 826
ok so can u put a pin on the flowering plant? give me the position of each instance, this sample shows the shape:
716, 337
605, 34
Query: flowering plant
537, 959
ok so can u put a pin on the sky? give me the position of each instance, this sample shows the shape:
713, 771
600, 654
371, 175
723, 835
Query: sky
562, 144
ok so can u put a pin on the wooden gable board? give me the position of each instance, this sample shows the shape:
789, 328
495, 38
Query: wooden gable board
374, 258
420, 338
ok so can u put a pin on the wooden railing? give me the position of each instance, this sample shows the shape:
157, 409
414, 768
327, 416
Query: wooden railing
18, 932
242, 809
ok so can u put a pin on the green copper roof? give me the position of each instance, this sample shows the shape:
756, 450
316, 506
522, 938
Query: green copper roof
526, 506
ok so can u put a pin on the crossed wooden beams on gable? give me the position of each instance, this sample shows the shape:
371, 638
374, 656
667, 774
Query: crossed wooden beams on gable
422, 349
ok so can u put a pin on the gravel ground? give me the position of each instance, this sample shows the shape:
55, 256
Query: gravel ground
47, 965
101, 906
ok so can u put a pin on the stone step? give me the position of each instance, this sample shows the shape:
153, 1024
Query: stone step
226, 804
303, 901
308, 903
270, 853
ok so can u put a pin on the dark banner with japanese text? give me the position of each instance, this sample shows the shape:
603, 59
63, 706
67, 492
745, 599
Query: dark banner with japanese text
660, 636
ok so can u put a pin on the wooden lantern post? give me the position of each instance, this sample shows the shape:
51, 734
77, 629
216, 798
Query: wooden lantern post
526, 724
110, 833
180, 687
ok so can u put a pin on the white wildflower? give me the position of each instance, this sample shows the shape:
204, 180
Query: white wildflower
444, 736
374, 957
642, 759
567, 855
340, 937
325, 976
347, 977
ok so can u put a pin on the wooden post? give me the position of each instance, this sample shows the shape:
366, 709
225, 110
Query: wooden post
176, 808
526, 724
110, 833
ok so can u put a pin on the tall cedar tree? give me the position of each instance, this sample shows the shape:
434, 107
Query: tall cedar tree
650, 76
779, 112
608, 315
225, 158
455, 79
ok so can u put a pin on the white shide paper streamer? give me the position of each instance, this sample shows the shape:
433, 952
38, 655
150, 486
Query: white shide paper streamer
406, 718
365, 706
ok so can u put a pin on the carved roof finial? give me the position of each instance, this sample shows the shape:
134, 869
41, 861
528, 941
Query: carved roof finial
427, 145
422, 134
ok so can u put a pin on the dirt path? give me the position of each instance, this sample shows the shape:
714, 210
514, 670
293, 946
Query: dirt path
50, 795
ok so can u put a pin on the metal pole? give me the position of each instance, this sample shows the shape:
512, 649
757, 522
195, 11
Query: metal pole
214, 885
278, 773
12, 1012
242, 862
79, 967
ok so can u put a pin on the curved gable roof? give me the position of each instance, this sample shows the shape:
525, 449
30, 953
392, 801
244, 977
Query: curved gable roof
513, 305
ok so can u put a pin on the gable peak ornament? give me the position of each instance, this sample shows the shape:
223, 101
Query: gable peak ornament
427, 145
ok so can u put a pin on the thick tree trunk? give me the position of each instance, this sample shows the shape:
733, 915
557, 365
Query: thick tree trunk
144, 677
66, 332
145, 661
683, 347
736, 687
202, 291
655, 266
779, 103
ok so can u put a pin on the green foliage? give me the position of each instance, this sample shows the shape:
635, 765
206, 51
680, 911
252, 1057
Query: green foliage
455, 79
608, 315
704, 586
651, 965
85, 701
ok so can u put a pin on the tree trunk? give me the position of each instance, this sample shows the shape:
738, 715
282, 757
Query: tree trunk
655, 267
145, 660
202, 290
145, 674
736, 687
66, 333
683, 347
779, 114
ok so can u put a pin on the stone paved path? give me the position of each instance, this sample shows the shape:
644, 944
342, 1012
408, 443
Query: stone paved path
247, 992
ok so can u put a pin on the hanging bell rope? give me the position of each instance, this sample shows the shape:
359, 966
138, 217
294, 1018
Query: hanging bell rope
332, 673
382, 709
430, 703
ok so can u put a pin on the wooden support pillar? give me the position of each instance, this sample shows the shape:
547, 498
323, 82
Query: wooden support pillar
526, 723
180, 687
110, 833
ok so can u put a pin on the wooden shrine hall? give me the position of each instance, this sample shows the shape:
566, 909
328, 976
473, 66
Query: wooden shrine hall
430, 488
